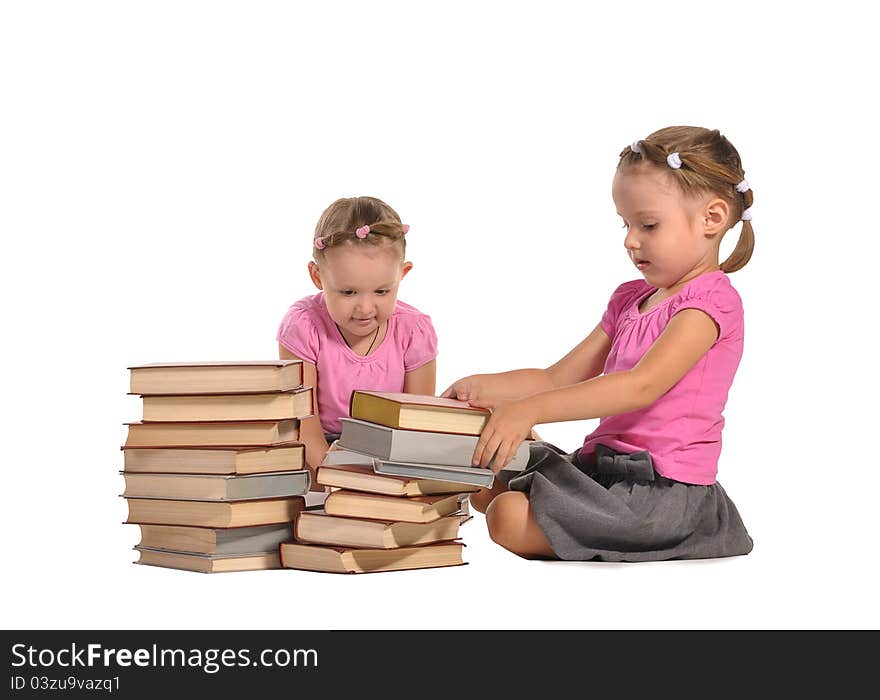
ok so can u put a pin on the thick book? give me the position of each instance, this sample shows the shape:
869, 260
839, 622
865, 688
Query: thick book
208, 563
472, 476
214, 377
280, 405
416, 446
166, 511
215, 460
417, 412
359, 477
216, 487
264, 433
212, 540
340, 560
413, 509
319, 527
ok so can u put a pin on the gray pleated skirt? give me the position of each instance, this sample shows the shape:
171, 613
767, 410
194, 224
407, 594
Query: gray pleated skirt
615, 507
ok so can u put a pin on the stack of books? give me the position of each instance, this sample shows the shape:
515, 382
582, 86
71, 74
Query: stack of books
399, 476
215, 474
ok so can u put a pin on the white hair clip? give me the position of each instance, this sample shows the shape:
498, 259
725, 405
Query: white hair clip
635, 146
747, 215
743, 187
674, 160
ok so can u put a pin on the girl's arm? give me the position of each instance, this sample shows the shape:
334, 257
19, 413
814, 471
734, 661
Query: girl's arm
686, 338
422, 380
585, 360
310, 431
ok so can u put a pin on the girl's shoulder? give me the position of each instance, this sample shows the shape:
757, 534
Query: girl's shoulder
628, 292
410, 315
714, 288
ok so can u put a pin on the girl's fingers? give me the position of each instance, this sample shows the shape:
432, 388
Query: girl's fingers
481, 446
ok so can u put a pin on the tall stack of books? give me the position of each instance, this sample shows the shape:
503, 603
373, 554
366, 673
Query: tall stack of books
399, 475
215, 473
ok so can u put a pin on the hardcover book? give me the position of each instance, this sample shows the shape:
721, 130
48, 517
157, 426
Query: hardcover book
211, 433
318, 527
215, 460
415, 509
342, 560
222, 514
416, 446
213, 377
280, 405
417, 412
208, 563
358, 477
212, 540
216, 487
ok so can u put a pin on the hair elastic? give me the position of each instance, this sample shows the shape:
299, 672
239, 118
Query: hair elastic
319, 243
674, 160
635, 146
746, 215
362, 231
405, 228
743, 187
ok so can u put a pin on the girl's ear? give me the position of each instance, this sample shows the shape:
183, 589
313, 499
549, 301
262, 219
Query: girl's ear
407, 266
715, 216
315, 274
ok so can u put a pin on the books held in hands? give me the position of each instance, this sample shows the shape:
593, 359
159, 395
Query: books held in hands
342, 560
416, 446
215, 460
415, 509
216, 487
417, 412
462, 476
208, 563
360, 477
215, 377
279, 405
318, 527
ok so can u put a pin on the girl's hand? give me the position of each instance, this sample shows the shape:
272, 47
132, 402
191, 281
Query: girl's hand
470, 388
510, 424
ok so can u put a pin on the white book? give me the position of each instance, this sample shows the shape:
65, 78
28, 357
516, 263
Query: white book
478, 476
416, 446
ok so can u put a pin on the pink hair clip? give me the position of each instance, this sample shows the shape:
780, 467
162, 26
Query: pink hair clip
405, 229
362, 231
319, 243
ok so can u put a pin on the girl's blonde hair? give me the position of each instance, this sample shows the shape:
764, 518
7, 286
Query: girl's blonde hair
709, 165
341, 221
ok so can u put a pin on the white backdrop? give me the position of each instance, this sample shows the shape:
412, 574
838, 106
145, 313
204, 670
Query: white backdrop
163, 164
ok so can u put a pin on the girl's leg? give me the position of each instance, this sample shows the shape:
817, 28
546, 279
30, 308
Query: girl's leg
480, 499
512, 524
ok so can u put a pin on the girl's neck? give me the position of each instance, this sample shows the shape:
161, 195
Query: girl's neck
364, 345
662, 293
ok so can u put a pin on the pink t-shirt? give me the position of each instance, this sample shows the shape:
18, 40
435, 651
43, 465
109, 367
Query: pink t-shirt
682, 429
309, 333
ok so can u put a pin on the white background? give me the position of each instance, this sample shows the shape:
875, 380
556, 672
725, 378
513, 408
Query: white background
162, 166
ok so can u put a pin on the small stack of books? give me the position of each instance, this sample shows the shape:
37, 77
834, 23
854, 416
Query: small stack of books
399, 475
214, 473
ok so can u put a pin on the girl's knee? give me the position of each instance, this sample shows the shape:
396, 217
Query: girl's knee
506, 516
481, 499
511, 525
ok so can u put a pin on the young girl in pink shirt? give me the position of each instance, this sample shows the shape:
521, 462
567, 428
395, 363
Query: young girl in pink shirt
656, 370
354, 333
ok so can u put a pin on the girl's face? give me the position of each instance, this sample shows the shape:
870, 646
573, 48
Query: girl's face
670, 238
360, 285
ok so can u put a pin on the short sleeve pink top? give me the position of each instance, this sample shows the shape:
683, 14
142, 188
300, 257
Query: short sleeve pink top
309, 333
682, 429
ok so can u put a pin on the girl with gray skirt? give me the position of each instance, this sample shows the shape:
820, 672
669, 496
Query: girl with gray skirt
656, 371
